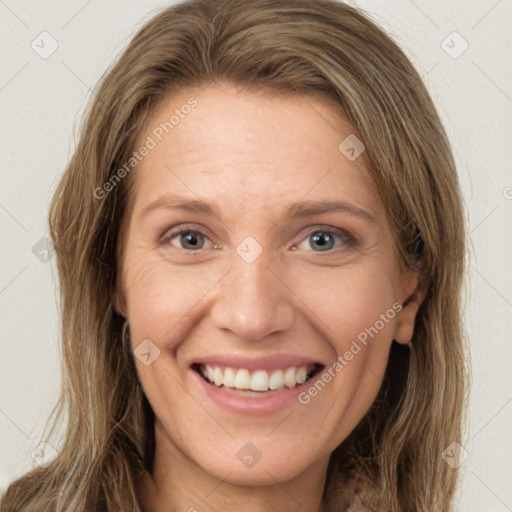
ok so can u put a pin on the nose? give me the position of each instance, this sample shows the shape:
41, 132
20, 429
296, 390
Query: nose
253, 301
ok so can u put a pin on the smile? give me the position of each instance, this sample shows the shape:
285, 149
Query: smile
256, 386
261, 380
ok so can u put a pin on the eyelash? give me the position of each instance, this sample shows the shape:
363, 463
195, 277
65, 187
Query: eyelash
348, 240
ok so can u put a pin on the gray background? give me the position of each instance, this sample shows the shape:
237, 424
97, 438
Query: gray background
41, 102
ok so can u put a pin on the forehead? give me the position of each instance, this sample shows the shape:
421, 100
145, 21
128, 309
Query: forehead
251, 148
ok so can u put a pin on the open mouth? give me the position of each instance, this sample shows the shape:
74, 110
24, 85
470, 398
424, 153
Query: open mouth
261, 381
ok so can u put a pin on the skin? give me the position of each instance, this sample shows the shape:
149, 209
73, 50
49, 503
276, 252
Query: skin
252, 154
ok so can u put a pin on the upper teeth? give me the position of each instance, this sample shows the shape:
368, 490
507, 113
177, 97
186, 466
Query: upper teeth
259, 380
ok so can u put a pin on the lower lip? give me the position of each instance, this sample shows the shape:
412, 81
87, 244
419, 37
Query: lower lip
267, 403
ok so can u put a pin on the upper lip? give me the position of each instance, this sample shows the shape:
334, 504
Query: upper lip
274, 362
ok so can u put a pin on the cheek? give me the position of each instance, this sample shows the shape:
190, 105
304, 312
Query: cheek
357, 317
353, 304
160, 295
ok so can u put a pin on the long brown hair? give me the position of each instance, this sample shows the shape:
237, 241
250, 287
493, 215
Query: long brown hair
299, 47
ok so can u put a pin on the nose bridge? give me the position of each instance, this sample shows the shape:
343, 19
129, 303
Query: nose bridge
253, 302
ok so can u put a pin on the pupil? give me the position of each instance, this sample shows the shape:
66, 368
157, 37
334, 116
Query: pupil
318, 239
191, 239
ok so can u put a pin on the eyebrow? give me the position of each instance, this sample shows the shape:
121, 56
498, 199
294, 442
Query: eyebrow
298, 210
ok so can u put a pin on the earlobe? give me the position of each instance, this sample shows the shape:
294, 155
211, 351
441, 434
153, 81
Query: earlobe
410, 306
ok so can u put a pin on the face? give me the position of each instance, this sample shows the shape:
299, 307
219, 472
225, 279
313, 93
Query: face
261, 319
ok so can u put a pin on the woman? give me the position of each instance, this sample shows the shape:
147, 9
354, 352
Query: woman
260, 246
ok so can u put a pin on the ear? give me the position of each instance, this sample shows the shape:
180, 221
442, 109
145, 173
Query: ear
414, 290
118, 303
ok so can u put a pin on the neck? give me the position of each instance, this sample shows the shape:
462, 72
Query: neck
176, 483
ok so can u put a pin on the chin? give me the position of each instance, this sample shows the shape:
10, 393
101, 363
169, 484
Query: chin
266, 467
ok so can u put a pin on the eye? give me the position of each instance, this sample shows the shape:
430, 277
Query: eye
187, 238
321, 237
324, 238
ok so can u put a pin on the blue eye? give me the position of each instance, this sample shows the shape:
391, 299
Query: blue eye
325, 239
322, 239
191, 238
